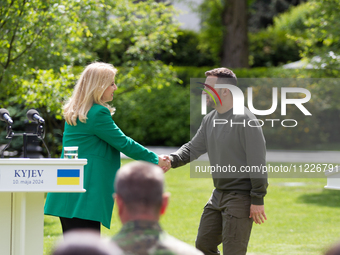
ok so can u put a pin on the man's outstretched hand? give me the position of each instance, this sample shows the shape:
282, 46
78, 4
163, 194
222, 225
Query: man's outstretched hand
164, 162
257, 213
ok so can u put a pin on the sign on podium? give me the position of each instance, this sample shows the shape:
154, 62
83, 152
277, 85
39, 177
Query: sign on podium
23, 183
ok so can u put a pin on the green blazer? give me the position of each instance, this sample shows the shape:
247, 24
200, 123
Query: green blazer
100, 141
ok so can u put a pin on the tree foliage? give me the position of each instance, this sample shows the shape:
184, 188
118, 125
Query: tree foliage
41, 42
161, 117
322, 41
323, 35
186, 51
261, 14
275, 45
41, 35
211, 37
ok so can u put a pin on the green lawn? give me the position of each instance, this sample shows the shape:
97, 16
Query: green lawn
303, 217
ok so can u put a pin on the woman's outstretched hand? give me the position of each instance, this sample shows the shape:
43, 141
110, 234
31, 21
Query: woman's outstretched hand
164, 162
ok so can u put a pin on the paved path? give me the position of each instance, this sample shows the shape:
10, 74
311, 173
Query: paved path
274, 155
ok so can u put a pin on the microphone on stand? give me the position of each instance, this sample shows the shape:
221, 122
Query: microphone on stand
33, 115
4, 116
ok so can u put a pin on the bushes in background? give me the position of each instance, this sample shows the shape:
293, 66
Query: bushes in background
155, 117
184, 73
161, 117
186, 52
274, 45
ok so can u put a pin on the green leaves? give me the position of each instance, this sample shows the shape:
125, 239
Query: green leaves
38, 39
323, 36
211, 36
44, 45
40, 35
53, 89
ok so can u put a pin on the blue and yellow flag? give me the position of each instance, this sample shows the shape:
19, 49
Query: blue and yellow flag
68, 177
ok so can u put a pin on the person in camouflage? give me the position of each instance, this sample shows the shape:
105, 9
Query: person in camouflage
141, 200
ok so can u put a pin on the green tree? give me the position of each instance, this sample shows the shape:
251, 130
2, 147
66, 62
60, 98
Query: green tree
323, 37
225, 31
263, 12
38, 35
186, 51
322, 42
136, 32
225, 25
235, 52
272, 46
42, 41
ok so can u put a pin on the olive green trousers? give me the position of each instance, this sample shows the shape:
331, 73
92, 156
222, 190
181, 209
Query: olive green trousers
225, 219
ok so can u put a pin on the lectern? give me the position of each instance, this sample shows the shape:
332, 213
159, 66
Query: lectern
23, 183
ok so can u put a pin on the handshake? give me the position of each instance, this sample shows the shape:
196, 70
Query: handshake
164, 162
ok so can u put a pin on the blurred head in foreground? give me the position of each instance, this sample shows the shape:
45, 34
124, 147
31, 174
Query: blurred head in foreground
85, 242
139, 188
334, 250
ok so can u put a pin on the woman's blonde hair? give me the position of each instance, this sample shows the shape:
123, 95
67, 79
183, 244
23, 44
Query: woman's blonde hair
93, 81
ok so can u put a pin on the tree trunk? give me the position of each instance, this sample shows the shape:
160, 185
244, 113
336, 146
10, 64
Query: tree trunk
235, 37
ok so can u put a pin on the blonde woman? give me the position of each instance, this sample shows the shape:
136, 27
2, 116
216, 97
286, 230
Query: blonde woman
89, 126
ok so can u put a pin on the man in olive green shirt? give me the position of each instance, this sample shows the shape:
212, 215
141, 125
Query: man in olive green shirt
141, 200
237, 200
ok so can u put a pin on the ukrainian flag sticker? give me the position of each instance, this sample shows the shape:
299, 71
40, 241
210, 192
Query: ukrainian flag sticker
68, 177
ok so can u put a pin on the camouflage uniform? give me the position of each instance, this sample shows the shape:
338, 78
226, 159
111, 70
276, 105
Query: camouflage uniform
146, 237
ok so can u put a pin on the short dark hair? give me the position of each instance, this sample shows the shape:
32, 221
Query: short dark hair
140, 185
223, 74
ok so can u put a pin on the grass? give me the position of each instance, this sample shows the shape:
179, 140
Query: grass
303, 217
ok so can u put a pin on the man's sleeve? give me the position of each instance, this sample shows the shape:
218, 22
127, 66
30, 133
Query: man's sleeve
191, 150
255, 148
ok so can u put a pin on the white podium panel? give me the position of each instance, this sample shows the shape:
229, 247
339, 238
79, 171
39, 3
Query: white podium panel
23, 183
333, 178
5, 223
42, 175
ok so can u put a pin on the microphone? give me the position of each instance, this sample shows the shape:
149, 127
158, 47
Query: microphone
4, 116
33, 115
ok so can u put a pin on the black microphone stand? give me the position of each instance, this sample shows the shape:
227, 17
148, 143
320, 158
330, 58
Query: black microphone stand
9, 136
39, 134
